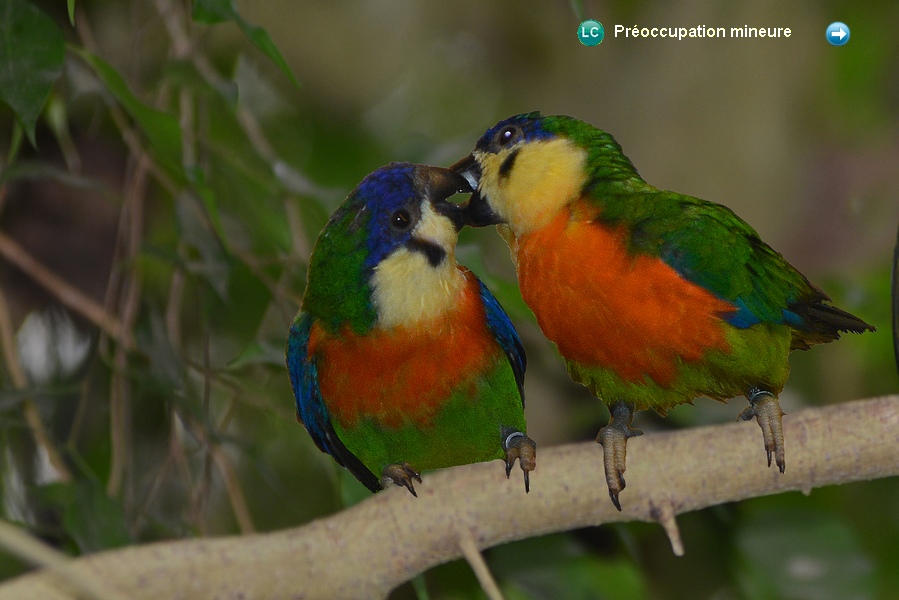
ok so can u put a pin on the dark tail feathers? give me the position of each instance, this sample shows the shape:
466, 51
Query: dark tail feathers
824, 323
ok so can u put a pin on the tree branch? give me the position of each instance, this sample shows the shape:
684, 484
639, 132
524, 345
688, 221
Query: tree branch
369, 549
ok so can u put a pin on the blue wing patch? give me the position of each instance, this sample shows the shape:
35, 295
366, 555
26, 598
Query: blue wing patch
504, 332
311, 409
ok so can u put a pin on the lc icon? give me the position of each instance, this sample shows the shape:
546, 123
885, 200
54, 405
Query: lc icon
591, 33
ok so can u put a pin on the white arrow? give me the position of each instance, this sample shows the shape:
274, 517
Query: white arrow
839, 33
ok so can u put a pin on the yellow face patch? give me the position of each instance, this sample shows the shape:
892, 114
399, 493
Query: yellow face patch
407, 288
546, 175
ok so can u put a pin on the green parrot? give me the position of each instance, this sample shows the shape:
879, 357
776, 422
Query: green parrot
653, 298
400, 359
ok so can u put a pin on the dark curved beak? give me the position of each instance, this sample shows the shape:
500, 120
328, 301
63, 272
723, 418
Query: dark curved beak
441, 184
468, 168
477, 213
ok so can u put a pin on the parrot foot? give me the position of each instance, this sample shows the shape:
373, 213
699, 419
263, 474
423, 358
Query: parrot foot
613, 439
765, 408
400, 474
520, 447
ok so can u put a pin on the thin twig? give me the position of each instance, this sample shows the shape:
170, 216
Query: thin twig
300, 250
66, 293
120, 400
664, 514
128, 133
78, 420
475, 559
147, 499
173, 308
20, 382
235, 491
229, 475
118, 420
4, 193
179, 455
216, 451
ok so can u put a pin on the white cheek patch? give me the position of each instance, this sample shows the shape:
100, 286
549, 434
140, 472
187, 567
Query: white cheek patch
407, 288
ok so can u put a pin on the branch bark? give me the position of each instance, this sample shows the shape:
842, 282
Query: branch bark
367, 550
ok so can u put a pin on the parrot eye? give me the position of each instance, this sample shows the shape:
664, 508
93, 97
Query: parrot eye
508, 135
401, 219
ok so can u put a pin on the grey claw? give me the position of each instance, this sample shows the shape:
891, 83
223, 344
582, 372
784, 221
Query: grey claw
520, 447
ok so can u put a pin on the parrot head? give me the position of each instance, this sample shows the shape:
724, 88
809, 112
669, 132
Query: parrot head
387, 255
528, 167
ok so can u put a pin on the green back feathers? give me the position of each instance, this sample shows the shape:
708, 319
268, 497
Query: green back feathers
710, 246
337, 289
608, 165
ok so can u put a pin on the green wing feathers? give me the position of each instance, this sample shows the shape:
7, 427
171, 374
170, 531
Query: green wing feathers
709, 245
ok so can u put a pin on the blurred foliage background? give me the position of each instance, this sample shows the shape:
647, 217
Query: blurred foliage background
154, 240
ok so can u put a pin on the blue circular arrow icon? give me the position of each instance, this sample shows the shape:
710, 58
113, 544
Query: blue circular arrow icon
837, 33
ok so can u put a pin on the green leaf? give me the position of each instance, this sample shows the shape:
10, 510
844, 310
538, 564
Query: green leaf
263, 41
212, 264
32, 49
236, 173
160, 128
95, 520
71, 12
15, 143
420, 586
257, 352
212, 12
240, 310
92, 519
207, 195
167, 367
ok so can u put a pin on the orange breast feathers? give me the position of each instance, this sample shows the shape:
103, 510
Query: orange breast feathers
603, 306
403, 375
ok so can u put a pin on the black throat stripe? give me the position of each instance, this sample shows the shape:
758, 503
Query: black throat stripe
434, 253
506, 167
